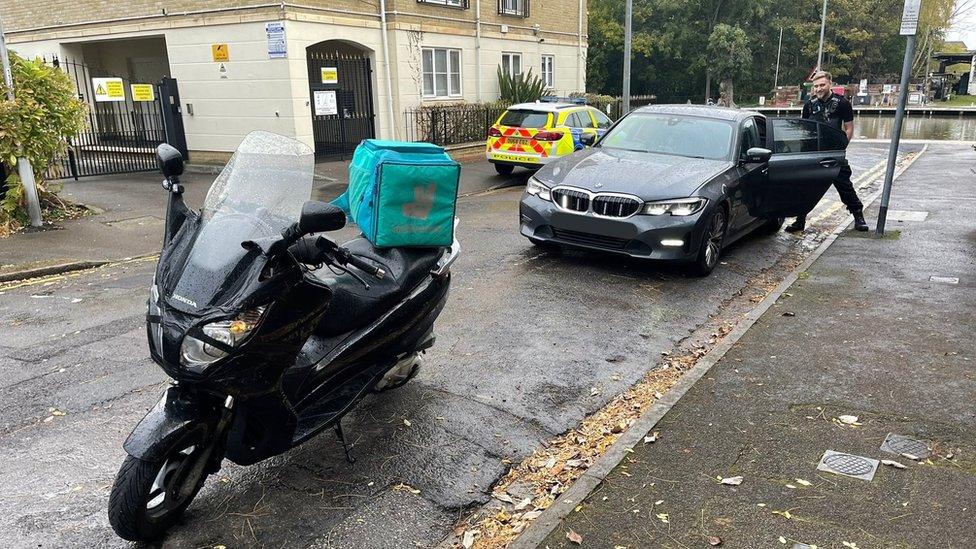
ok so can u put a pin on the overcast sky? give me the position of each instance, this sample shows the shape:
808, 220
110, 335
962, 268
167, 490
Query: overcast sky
964, 28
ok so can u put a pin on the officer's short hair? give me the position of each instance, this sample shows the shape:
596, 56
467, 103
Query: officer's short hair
821, 74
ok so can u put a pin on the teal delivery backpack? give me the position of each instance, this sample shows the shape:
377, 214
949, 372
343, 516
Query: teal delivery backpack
402, 194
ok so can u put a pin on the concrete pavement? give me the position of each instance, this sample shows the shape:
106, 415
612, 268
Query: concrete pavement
876, 329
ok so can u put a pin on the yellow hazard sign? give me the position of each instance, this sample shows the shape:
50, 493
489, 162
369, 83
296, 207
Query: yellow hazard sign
220, 52
142, 92
108, 89
330, 75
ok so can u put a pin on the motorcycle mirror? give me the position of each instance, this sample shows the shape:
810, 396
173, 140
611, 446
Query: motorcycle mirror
319, 217
758, 154
169, 160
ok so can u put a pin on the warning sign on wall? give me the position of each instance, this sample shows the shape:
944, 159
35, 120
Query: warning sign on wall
142, 92
108, 89
220, 52
330, 75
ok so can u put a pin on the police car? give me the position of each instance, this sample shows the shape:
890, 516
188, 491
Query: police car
532, 134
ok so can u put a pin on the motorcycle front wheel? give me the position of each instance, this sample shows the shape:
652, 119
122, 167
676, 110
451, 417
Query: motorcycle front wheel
149, 497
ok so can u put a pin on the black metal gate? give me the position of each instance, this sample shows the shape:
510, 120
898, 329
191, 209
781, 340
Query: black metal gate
341, 103
119, 136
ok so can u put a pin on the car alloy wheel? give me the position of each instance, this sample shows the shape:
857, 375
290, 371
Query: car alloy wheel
715, 235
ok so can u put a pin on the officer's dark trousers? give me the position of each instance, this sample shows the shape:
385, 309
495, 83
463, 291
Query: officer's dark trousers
846, 190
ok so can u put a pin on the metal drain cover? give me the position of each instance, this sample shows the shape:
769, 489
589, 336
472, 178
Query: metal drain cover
899, 444
907, 215
848, 465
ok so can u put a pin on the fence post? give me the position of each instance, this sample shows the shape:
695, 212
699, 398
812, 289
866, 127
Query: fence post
444, 127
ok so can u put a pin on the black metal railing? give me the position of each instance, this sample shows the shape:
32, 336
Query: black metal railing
450, 125
118, 137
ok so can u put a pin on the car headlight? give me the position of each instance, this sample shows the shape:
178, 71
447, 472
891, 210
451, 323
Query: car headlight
681, 206
196, 355
537, 188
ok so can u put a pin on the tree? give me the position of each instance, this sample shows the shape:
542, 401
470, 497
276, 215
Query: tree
729, 57
35, 125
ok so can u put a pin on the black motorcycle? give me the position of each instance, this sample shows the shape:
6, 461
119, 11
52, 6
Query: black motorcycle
268, 331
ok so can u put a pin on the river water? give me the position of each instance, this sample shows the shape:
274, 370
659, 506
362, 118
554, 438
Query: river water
879, 126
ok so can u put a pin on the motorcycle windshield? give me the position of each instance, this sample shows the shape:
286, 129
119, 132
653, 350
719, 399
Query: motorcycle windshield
259, 193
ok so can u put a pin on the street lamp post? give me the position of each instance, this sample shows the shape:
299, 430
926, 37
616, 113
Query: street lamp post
628, 31
823, 25
779, 50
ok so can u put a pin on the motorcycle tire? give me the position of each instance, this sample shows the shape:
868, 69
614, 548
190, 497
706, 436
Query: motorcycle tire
145, 502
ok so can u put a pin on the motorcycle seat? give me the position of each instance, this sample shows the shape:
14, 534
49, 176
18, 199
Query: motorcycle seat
352, 306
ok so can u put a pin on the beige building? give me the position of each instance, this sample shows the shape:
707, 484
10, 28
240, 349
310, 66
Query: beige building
320, 70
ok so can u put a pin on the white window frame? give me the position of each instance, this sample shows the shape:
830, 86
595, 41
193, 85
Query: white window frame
549, 71
454, 63
512, 7
511, 56
448, 3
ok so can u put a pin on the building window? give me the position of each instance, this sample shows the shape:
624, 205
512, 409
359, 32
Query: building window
518, 8
511, 63
462, 4
442, 72
549, 71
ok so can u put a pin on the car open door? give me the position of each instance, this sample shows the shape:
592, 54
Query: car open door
807, 157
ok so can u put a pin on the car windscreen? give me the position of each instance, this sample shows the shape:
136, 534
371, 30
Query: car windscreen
524, 119
671, 134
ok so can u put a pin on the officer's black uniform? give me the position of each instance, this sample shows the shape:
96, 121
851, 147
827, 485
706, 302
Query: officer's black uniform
835, 111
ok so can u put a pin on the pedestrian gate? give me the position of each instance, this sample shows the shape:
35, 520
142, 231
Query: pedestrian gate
341, 101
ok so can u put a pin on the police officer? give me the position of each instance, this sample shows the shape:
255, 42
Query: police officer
827, 106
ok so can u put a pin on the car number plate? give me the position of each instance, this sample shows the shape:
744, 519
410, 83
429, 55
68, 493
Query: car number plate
594, 225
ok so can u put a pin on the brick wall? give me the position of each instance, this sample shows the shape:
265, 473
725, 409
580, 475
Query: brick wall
558, 16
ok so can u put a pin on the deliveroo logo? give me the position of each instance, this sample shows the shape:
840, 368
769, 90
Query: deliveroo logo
423, 202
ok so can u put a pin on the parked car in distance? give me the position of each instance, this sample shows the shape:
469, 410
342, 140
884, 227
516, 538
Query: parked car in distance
680, 182
533, 134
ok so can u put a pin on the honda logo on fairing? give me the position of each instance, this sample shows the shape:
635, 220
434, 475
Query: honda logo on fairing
182, 299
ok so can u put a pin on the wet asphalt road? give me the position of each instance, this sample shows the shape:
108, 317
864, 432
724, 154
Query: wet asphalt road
522, 343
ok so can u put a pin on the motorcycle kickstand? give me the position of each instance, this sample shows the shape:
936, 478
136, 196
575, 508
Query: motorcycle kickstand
345, 446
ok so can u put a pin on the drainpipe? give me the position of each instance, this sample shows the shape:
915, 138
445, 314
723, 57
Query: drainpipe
386, 68
477, 50
579, 51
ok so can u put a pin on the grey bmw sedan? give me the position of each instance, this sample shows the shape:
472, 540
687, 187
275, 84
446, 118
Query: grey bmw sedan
680, 182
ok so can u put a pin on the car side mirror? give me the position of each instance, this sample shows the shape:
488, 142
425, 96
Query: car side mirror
588, 139
757, 155
169, 160
320, 217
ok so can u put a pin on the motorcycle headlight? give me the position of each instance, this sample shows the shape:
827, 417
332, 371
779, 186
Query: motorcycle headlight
537, 188
196, 355
682, 206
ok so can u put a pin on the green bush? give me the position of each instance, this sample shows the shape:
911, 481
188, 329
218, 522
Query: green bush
521, 88
35, 125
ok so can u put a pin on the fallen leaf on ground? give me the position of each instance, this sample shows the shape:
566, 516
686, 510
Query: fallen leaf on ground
893, 463
574, 537
732, 481
847, 419
714, 541
532, 515
503, 497
523, 504
850, 544
468, 539
803, 482
651, 438
782, 540
407, 422
406, 488
784, 514
912, 457
663, 517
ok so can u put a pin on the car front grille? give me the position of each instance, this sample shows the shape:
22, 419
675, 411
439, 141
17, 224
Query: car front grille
586, 239
615, 206
569, 199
